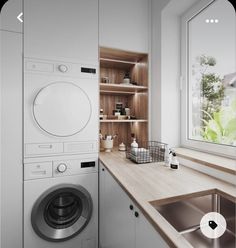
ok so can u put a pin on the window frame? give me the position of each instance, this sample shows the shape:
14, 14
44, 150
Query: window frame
218, 149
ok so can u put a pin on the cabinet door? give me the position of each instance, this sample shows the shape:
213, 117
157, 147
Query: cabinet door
11, 139
117, 229
59, 29
124, 24
146, 235
102, 206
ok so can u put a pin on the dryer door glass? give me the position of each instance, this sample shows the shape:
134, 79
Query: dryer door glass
60, 214
62, 109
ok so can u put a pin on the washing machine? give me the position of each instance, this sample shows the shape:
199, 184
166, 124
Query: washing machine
61, 203
60, 108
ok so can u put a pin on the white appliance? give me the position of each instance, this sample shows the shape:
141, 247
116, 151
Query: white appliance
61, 203
60, 108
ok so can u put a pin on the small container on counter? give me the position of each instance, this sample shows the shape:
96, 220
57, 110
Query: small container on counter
122, 147
107, 144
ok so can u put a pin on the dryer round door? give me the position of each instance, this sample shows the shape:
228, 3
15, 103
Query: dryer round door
61, 212
62, 109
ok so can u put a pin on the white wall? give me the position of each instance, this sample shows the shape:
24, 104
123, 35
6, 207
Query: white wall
170, 67
165, 118
155, 106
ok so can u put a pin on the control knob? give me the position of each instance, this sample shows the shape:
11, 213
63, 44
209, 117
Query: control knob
63, 68
61, 168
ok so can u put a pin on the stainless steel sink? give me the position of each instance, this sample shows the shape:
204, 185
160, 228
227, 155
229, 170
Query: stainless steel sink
185, 216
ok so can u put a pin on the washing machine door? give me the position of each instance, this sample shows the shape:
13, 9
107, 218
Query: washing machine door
61, 212
62, 109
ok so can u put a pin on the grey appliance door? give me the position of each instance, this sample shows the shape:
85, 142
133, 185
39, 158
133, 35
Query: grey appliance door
61, 212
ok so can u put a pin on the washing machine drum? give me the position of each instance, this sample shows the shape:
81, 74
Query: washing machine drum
62, 109
61, 213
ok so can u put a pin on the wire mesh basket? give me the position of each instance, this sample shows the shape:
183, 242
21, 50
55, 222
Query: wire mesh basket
147, 152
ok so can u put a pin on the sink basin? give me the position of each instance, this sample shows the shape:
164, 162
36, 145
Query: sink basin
185, 216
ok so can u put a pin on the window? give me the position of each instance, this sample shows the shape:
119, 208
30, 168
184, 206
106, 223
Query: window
209, 78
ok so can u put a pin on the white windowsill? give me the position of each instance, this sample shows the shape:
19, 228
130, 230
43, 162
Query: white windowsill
216, 162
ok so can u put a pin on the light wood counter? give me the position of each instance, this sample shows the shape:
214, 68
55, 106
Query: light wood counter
145, 183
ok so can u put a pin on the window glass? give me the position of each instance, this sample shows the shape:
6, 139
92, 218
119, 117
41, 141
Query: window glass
212, 74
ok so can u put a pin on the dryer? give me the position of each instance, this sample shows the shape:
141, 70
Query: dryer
61, 203
60, 108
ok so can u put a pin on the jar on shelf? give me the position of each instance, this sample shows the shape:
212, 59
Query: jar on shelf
126, 79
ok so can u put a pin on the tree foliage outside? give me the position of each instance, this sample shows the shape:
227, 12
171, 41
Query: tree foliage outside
218, 122
212, 88
221, 126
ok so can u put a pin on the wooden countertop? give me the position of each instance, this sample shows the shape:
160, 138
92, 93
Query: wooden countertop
145, 183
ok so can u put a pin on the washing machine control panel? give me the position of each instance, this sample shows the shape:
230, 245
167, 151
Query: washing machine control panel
74, 167
61, 168
50, 169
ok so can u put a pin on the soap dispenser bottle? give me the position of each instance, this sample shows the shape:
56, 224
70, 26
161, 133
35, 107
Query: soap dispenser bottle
169, 155
134, 144
174, 164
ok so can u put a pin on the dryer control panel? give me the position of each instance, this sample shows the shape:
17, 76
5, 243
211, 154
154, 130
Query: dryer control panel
61, 68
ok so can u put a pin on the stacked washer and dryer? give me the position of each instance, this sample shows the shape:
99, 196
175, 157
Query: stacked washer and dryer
60, 154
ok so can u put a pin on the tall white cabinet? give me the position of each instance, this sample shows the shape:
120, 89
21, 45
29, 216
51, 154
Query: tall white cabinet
122, 225
125, 24
11, 125
61, 30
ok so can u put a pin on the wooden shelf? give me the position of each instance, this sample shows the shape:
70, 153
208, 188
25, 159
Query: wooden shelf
127, 121
121, 89
120, 64
116, 54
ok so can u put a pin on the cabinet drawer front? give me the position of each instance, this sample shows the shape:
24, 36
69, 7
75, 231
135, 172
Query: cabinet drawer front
49, 148
80, 147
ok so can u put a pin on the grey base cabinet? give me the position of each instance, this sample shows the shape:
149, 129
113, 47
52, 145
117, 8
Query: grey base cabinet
122, 225
146, 235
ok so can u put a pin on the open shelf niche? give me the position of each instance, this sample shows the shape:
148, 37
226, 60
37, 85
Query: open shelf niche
114, 64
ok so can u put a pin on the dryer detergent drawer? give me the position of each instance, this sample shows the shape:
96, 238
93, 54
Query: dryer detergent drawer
37, 170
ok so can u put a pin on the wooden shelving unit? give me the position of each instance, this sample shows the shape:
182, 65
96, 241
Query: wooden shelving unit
124, 121
114, 64
121, 89
111, 63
